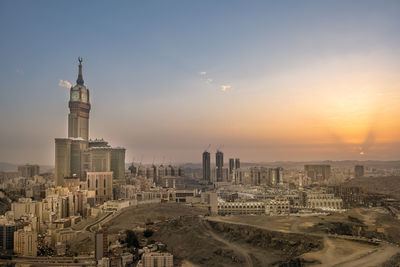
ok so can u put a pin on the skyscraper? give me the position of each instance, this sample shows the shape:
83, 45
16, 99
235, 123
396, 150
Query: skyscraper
79, 107
68, 150
219, 160
77, 155
7, 229
231, 165
206, 166
317, 172
358, 171
237, 163
28, 171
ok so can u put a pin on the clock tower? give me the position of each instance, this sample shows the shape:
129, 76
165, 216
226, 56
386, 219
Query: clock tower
79, 107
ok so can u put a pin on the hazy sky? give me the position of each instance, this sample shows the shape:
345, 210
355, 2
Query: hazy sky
278, 80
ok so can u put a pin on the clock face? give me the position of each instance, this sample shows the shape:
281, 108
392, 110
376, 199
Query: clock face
75, 96
84, 96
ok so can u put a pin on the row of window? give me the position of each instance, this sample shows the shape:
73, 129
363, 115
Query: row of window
324, 204
97, 183
241, 207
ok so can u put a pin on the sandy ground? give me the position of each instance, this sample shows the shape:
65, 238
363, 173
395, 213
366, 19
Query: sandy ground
346, 253
338, 250
133, 217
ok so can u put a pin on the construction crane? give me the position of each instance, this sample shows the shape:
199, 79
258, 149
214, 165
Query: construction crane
207, 147
220, 147
141, 159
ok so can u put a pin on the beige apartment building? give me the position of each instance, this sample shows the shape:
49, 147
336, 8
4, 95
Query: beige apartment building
25, 242
156, 259
101, 184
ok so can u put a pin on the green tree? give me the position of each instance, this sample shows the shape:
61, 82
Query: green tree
131, 239
147, 233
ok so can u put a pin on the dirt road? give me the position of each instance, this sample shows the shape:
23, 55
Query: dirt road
238, 249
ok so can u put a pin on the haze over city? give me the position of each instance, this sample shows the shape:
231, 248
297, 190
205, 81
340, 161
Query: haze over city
267, 80
199, 133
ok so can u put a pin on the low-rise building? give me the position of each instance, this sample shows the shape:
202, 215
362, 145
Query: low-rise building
323, 201
241, 208
116, 205
277, 206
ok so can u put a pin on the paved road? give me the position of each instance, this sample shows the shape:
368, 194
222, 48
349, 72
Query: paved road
88, 228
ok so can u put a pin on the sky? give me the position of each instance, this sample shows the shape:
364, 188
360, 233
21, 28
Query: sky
260, 80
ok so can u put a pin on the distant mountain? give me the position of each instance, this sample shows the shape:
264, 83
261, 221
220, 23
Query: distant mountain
298, 164
4, 166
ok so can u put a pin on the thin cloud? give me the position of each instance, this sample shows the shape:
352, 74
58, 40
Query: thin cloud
205, 77
208, 80
65, 84
225, 87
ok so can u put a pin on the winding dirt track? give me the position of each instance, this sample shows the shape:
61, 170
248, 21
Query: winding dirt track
338, 250
238, 249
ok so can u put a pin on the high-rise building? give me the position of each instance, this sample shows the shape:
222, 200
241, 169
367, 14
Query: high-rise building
231, 165
7, 229
77, 155
219, 161
28, 171
237, 163
277, 176
100, 244
266, 176
79, 106
206, 166
358, 171
101, 183
25, 242
318, 172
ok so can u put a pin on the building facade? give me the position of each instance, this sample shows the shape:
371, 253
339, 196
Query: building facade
156, 259
317, 172
219, 161
228, 208
25, 242
7, 229
28, 171
324, 201
206, 166
101, 183
358, 171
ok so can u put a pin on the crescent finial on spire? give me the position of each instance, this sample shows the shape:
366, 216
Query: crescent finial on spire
80, 76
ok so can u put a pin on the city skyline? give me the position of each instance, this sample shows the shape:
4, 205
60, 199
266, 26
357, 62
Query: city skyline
269, 81
199, 133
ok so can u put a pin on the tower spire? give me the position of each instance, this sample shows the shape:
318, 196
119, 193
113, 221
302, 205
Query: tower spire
80, 76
